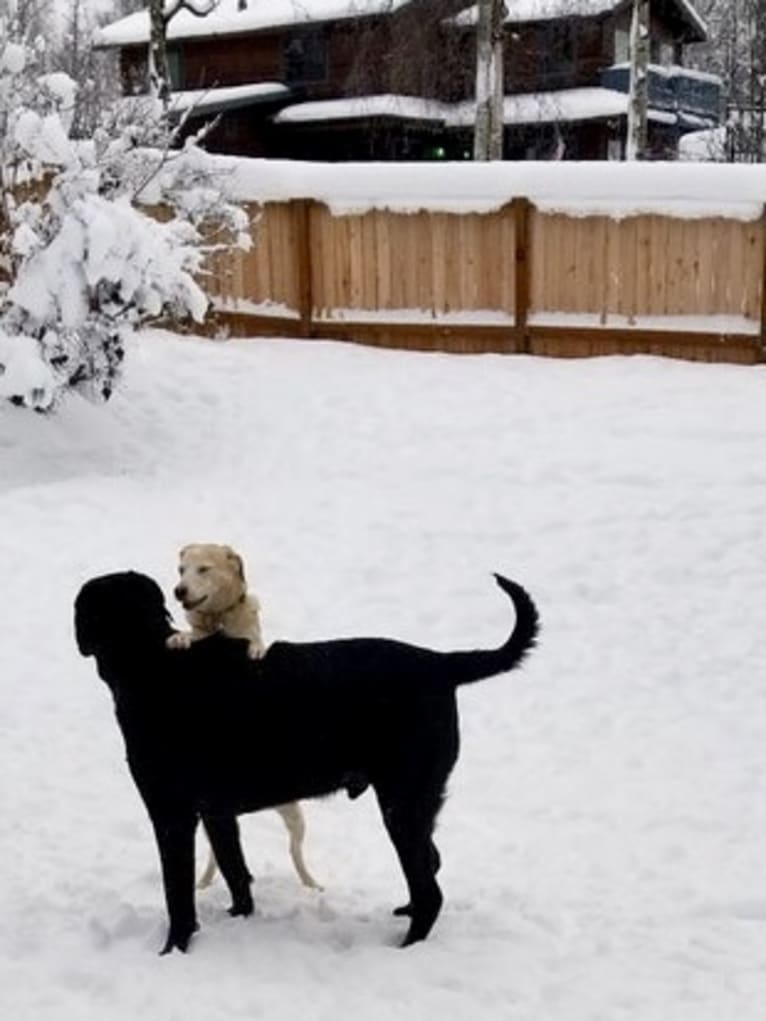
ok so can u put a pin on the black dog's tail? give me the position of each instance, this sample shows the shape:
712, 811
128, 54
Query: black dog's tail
466, 667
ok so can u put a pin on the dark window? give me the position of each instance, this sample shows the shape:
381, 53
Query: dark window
304, 58
176, 67
559, 53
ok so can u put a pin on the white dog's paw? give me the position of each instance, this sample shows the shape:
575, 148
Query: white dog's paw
255, 650
179, 640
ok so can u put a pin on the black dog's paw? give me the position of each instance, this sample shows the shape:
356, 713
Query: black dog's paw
405, 911
241, 907
178, 940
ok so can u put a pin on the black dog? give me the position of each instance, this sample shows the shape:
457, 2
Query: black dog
211, 734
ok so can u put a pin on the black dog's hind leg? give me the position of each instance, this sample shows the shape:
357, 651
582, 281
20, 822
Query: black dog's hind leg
410, 825
405, 911
223, 833
175, 840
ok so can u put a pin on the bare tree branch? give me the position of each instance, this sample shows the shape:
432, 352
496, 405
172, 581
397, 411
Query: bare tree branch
198, 9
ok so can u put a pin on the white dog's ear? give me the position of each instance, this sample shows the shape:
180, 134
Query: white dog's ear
237, 560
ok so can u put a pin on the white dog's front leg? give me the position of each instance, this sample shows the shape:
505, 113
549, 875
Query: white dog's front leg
180, 640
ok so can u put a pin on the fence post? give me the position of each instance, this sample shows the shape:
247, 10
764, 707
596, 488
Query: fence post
521, 209
302, 218
763, 284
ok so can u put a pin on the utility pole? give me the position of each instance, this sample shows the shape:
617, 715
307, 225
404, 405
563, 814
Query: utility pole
638, 100
488, 130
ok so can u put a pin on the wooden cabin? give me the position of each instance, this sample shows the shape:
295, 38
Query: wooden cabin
394, 79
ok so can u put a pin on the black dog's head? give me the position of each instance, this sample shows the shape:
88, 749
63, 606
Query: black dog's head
120, 613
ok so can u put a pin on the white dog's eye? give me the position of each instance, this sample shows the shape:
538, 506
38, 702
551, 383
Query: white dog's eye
202, 570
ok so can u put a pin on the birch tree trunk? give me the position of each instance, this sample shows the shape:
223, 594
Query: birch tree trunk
638, 100
160, 17
158, 69
488, 130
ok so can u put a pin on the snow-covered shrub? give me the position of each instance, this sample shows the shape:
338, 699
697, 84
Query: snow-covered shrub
83, 265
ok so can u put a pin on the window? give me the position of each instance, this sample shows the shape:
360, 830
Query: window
621, 45
558, 57
175, 67
304, 58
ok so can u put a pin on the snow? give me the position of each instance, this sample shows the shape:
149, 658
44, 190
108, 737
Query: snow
721, 324
259, 308
519, 11
43, 138
603, 841
147, 262
388, 105
474, 316
612, 189
577, 104
205, 100
228, 19
23, 372
60, 86
704, 145
13, 58
671, 71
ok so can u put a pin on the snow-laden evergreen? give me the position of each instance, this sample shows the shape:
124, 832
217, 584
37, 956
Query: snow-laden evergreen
82, 265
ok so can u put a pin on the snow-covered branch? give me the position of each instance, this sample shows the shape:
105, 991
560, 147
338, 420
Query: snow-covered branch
81, 265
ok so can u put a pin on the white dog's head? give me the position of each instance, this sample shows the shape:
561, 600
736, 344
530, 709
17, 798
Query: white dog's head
211, 578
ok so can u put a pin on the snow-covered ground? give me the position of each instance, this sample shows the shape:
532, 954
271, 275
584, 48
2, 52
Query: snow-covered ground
604, 841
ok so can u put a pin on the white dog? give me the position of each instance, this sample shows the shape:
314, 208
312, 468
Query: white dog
213, 592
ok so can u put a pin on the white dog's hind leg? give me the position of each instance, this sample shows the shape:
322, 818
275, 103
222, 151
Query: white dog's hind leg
292, 816
208, 875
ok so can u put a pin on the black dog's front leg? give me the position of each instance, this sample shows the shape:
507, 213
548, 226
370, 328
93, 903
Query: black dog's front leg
175, 840
223, 833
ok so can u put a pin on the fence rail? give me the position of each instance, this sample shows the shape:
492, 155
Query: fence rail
515, 280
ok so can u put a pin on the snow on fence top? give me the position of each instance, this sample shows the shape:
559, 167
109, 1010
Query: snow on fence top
619, 190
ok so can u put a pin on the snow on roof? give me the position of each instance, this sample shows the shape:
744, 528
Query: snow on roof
353, 108
228, 19
541, 10
579, 189
528, 108
227, 97
674, 71
205, 102
519, 11
587, 103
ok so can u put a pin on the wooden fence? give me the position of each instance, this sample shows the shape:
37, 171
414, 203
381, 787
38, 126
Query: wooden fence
515, 280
